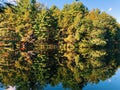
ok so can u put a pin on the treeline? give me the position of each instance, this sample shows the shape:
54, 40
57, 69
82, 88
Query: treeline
71, 28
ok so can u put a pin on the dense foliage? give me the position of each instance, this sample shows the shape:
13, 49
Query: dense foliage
72, 46
73, 27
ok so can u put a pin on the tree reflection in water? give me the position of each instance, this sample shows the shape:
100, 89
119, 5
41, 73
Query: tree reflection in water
36, 68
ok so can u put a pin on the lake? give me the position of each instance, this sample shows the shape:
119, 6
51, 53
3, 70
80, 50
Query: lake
49, 69
109, 84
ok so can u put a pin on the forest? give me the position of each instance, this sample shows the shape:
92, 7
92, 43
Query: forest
38, 44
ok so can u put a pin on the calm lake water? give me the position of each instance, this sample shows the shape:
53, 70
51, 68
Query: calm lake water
112, 83
54, 69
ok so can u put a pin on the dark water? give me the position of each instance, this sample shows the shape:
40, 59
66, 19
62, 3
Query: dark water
109, 84
51, 68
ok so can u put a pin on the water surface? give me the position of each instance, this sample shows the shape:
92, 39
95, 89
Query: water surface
51, 68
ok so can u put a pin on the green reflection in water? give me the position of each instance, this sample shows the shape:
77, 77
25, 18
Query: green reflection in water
36, 67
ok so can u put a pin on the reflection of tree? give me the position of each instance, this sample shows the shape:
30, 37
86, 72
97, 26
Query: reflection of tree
89, 65
73, 69
25, 70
